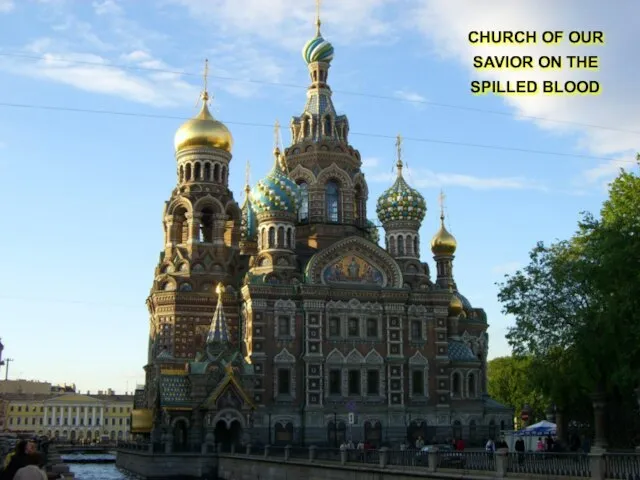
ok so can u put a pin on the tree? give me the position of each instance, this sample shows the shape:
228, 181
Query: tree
576, 307
509, 382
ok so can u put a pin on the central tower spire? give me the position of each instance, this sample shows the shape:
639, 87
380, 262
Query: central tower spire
318, 23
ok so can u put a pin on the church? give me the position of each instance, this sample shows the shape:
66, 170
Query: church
282, 320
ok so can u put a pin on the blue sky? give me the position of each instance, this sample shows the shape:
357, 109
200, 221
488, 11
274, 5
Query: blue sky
84, 192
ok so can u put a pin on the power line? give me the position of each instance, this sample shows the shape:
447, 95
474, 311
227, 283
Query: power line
305, 87
265, 125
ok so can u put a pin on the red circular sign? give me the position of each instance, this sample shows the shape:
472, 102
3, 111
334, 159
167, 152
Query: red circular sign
524, 416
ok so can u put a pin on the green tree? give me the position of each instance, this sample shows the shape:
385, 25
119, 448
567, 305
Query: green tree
576, 307
510, 382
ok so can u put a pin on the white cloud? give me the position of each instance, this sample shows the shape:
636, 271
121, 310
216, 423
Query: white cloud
424, 178
506, 268
606, 170
446, 23
92, 73
409, 96
288, 23
370, 162
107, 7
7, 6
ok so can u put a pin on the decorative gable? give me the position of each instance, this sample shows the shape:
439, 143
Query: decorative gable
354, 261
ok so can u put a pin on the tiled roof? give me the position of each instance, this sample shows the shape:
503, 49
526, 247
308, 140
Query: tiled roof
174, 390
494, 404
460, 352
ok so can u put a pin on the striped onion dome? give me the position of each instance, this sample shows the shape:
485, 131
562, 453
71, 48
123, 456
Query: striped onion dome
317, 50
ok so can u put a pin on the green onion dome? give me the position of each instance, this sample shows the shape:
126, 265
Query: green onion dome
317, 50
276, 192
401, 202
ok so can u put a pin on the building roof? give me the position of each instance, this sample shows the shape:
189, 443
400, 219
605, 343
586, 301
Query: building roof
460, 352
175, 390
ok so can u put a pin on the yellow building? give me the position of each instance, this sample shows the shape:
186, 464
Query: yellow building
70, 416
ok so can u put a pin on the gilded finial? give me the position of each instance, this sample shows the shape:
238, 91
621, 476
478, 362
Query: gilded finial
318, 23
247, 173
441, 200
205, 91
220, 291
276, 136
399, 153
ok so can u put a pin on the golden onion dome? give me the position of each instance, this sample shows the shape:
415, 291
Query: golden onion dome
455, 306
203, 131
443, 243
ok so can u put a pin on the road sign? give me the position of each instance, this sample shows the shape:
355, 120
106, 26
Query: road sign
524, 416
352, 418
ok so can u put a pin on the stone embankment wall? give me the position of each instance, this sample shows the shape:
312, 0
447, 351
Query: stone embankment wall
152, 466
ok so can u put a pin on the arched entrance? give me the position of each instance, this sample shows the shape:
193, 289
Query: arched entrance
228, 435
418, 429
284, 433
180, 434
336, 434
373, 433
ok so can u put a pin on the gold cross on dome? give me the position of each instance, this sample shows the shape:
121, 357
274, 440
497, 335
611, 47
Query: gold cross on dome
441, 201
318, 17
276, 134
399, 147
247, 172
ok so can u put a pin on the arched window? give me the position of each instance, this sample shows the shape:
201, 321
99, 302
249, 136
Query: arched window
272, 237
359, 206
223, 174
207, 172
306, 125
187, 173
327, 126
455, 387
216, 172
181, 173
392, 245
197, 171
303, 213
408, 244
281, 237
206, 225
289, 245
332, 197
400, 245
471, 385
416, 250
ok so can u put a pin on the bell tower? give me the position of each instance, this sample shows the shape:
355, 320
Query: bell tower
321, 160
201, 223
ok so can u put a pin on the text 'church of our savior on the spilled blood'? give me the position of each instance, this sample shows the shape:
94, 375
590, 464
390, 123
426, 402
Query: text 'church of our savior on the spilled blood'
284, 322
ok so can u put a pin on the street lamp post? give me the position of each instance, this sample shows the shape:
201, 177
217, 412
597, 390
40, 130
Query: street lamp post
269, 442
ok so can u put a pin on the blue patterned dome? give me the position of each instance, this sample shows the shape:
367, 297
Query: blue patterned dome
317, 50
276, 192
249, 226
401, 202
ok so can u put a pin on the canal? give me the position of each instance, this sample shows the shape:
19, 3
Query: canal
97, 471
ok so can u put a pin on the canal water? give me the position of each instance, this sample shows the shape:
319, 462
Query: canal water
96, 471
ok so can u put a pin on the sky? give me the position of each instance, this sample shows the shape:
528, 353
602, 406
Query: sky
92, 92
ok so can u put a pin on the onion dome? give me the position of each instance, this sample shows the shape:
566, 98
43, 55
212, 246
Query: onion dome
455, 306
203, 131
443, 243
401, 202
276, 192
317, 50
248, 229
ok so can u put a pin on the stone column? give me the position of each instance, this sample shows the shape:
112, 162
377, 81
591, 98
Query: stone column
599, 403
219, 223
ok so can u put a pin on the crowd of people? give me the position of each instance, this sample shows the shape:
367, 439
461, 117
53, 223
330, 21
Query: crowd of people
26, 462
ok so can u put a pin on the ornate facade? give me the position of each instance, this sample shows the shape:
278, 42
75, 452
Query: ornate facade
318, 333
